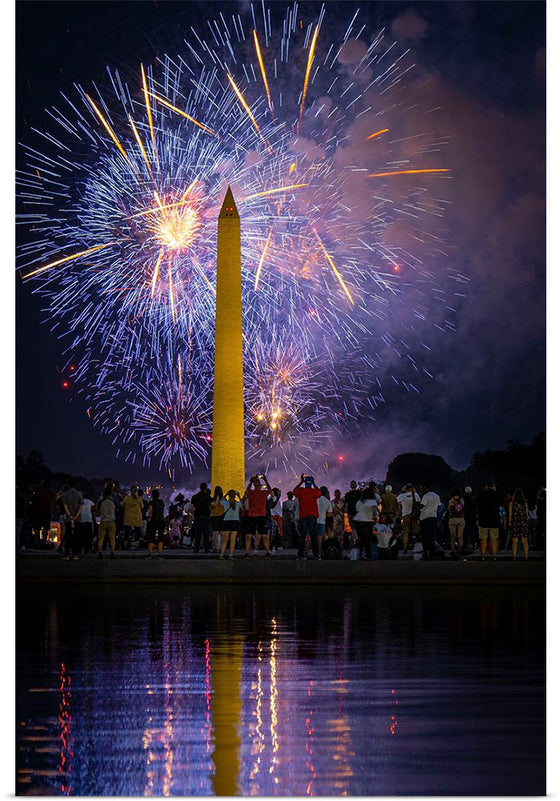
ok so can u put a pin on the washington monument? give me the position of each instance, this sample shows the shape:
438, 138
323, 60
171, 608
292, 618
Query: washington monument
228, 431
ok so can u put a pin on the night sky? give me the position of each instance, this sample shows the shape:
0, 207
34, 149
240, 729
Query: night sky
486, 65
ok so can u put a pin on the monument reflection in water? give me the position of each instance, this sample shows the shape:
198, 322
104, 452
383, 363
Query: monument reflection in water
288, 691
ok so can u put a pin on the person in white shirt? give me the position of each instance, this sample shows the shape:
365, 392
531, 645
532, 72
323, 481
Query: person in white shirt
276, 522
409, 521
290, 517
85, 527
428, 517
387, 547
324, 507
366, 515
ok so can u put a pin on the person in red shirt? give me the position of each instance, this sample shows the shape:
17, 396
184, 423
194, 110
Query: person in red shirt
256, 495
308, 513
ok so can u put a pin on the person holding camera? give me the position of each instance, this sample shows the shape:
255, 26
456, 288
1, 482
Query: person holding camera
307, 492
256, 495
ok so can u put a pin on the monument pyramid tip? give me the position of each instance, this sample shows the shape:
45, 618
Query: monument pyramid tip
229, 209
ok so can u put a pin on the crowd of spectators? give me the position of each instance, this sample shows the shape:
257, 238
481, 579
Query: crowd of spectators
369, 521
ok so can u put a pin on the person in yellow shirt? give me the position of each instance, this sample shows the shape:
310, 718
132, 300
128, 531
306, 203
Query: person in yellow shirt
132, 521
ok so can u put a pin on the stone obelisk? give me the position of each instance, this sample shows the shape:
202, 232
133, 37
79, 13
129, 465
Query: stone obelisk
228, 430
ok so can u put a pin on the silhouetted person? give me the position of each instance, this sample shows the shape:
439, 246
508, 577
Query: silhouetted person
488, 507
456, 509
155, 523
107, 522
470, 534
409, 505
519, 523
290, 517
350, 500
365, 517
338, 516
200, 503
217, 512
72, 499
389, 504
132, 518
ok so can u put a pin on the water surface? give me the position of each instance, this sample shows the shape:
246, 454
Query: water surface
280, 691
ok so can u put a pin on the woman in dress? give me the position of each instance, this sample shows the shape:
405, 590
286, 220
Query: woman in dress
324, 507
217, 512
519, 523
456, 508
338, 516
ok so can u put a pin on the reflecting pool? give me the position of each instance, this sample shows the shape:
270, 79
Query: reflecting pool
289, 691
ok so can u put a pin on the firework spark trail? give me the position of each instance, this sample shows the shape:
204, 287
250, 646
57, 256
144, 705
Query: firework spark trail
149, 112
378, 133
245, 105
180, 137
403, 172
334, 269
307, 73
58, 262
263, 257
263, 71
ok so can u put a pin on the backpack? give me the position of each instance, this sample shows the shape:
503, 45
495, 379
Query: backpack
331, 548
458, 509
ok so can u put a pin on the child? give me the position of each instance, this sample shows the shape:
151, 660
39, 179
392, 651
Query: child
386, 541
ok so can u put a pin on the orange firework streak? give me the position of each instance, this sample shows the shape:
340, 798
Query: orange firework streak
112, 135
169, 105
149, 110
335, 271
373, 135
248, 110
65, 259
263, 71
402, 172
307, 73
143, 151
274, 191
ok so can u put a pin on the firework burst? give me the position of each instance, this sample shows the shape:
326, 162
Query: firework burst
339, 229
